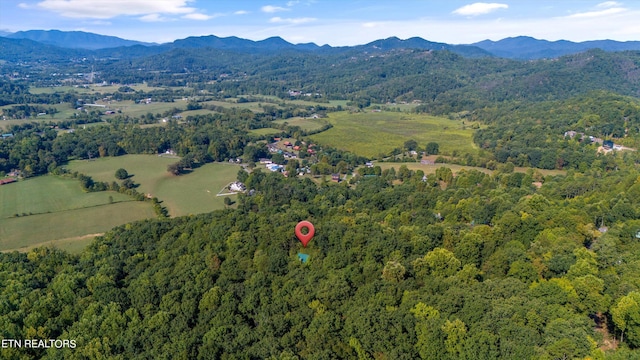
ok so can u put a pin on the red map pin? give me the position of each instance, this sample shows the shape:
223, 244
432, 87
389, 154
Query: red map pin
305, 238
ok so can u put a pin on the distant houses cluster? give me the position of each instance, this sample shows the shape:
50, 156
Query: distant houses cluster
607, 145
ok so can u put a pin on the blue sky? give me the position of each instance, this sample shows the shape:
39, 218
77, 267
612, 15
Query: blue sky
333, 22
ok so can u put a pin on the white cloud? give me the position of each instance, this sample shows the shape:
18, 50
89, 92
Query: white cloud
198, 16
291, 20
479, 9
241, 12
24, 6
272, 9
608, 4
594, 14
293, 3
106, 9
152, 18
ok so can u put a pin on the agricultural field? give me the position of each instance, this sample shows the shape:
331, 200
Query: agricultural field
253, 106
52, 209
374, 133
264, 131
132, 109
65, 112
304, 123
191, 193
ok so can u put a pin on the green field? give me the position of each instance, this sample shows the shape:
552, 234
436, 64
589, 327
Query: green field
132, 109
52, 208
304, 123
373, 133
65, 112
253, 106
192, 193
264, 131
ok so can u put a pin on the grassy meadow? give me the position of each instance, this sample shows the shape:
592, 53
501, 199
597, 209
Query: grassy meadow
191, 193
304, 123
264, 131
373, 133
52, 209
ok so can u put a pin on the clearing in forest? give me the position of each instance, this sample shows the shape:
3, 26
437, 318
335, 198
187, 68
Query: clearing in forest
374, 133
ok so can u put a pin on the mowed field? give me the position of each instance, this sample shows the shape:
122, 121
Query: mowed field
304, 124
191, 193
52, 209
374, 133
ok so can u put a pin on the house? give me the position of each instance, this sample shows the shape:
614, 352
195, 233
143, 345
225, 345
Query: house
7, 136
607, 144
275, 167
369, 164
571, 134
237, 187
296, 148
335, 177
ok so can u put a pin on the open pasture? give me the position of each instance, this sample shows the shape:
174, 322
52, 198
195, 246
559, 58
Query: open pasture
374, 133
64, 226
128, 107
51, 208
191, 193
304, 123
65, 112
48, 194
253, 106
264, 131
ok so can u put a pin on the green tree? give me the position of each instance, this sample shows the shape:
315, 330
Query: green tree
410, 145
121, 174
626, 316
432, 148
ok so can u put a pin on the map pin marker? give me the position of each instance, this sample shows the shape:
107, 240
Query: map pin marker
305, 238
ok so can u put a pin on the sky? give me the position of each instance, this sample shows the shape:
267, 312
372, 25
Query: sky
333, 22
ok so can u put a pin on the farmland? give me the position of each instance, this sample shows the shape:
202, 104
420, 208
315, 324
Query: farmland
50, 208
373, 133
191, 193
304, 123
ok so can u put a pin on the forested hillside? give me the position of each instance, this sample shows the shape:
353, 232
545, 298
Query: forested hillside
504, 271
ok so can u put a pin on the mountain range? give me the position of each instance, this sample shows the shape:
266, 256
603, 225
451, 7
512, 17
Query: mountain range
522, 47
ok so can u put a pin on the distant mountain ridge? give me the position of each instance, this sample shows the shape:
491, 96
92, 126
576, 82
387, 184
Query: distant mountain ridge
521, 47
528, 48
74, 39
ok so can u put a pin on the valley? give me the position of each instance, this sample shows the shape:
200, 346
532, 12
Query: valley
462, 203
